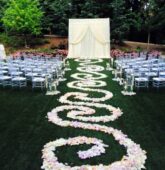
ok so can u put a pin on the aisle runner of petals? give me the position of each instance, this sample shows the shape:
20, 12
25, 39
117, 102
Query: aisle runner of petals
88, 80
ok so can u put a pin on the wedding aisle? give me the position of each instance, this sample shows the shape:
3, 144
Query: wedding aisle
81, 108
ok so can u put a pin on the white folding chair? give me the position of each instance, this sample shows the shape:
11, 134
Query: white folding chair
19, 82
158, 82
38, 82
141, 82
5, 81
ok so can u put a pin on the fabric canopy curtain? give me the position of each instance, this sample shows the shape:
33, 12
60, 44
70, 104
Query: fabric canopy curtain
2, 52
89, 38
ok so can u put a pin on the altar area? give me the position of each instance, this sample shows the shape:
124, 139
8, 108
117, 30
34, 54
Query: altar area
89, 38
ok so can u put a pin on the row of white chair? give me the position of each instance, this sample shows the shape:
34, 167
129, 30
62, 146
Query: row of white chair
141, 73
17, 73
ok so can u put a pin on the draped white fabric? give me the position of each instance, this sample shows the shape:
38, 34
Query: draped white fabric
89, 38
2, 52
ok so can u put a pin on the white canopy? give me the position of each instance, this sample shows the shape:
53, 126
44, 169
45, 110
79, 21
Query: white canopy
89, 38
2, 52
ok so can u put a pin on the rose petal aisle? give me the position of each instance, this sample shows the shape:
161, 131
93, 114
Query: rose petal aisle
90, 79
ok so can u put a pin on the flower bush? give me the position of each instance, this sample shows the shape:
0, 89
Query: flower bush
116, 53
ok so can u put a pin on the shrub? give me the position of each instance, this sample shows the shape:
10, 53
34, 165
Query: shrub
13, 41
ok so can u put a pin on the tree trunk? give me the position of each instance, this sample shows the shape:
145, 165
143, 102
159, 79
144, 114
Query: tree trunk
50, 31
148, 41
26, 46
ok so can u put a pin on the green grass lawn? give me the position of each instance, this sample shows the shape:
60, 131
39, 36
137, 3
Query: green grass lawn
24, 128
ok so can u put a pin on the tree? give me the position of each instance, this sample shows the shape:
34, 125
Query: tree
23, 17
130, 19
148, 16
156, 19
2, 8
56, 15
121, 20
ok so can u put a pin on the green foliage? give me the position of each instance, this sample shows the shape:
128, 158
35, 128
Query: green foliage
119, 24
3, 4
152, 17
129, 19
2, 7
139, 49
11, 41
56, 16
156, 20
14, 42
58, 12
23, 16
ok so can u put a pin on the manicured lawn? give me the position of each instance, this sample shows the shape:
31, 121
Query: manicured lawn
24, 128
